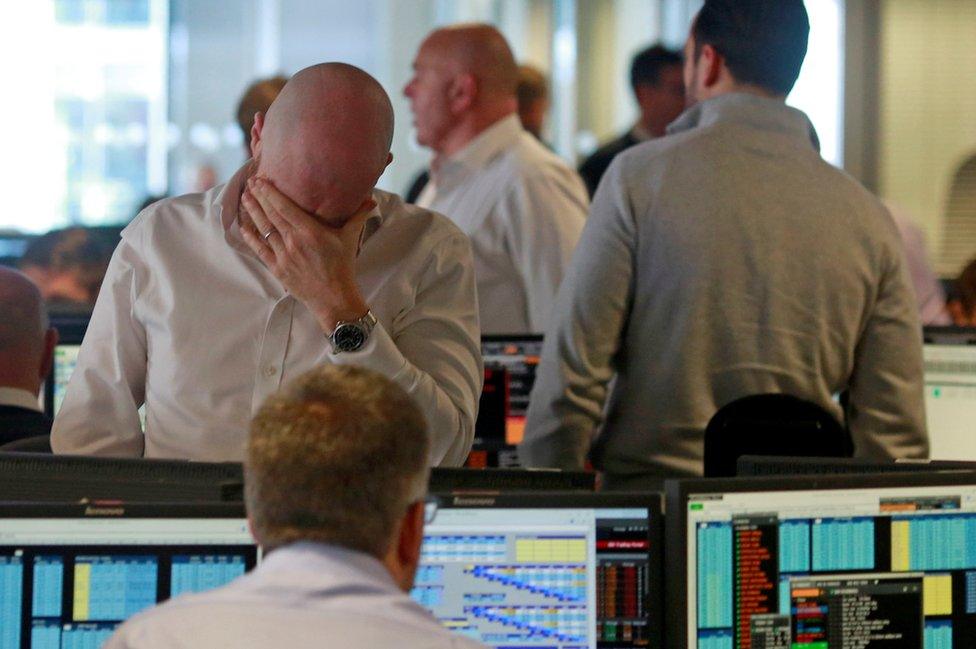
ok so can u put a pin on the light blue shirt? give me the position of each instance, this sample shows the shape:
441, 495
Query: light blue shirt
302, 595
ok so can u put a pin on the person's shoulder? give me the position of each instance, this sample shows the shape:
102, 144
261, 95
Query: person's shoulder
419, 223
608, 151
529, 158
173, 213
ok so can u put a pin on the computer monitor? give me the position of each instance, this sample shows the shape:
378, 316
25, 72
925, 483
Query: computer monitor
69, 575
950, 392
71, 332
812, 562
73, 478
557, 571
518, 356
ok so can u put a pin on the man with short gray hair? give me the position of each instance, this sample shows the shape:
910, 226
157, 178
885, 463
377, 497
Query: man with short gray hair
26, 355
336, 477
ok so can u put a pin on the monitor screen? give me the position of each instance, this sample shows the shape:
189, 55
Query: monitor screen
518, 356
572, 572
68, 580
65, 359
950, 400
808, 567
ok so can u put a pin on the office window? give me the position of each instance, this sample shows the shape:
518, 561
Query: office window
89, 128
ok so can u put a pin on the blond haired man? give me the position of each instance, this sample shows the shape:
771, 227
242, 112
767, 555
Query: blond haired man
336, 475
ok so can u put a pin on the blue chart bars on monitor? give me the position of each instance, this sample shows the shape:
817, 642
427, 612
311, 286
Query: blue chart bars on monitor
778, 570
103, 588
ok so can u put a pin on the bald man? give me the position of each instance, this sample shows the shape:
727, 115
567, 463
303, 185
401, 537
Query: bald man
522, 206
212, 301
26, 355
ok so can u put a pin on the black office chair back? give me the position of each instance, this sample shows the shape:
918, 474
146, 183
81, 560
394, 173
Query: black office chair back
772, 424
35, 444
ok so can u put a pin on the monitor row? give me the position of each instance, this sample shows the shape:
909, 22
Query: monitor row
867, 561
510, 364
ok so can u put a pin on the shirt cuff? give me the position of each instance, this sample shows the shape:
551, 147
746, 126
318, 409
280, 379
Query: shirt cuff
380, 354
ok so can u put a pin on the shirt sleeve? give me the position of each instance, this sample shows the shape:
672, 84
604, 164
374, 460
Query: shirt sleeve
100, 412
545, 213
434, 351
587, 325
886, 412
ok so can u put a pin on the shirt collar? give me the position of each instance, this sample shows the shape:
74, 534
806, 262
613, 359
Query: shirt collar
329, 565
495, 139
745, 108
227, 203
19, 399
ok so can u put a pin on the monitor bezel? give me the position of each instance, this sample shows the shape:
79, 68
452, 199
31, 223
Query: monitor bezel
650, 501
949, 335
122, 511
511, 338
676, 521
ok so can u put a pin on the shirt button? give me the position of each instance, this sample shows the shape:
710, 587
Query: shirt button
270, 371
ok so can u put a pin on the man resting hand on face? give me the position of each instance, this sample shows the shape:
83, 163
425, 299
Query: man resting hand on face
212, 301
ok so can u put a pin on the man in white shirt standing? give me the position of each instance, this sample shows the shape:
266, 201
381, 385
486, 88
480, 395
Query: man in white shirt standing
520, 204
336, 479
213, 300
26, 356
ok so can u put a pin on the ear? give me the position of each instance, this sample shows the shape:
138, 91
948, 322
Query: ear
404, 556
256, 129
710, 64
462, 92
47, 359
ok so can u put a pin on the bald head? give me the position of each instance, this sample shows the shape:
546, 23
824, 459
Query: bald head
26, 343
326, 139
479, 50
464, 80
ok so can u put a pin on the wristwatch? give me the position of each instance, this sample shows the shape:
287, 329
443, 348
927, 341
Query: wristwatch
351, 336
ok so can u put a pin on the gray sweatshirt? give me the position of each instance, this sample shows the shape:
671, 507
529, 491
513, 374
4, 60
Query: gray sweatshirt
725, 260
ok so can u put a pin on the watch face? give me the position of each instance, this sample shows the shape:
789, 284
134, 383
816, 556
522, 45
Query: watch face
349, 337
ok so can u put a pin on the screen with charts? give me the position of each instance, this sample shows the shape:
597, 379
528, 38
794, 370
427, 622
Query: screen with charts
67, 583
65, 359
809, 569
518, 356
950, 400
566, 578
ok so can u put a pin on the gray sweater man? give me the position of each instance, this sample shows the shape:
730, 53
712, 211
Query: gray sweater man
726, 260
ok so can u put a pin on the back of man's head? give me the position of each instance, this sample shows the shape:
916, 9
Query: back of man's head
24, 337
647, 65
67, 264
326, 138
336, 457
763, 42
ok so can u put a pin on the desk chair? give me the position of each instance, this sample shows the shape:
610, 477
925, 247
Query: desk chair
771, 424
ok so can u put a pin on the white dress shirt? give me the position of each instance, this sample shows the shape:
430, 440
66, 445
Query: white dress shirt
20, 399
191, 323
302, 596
524, 210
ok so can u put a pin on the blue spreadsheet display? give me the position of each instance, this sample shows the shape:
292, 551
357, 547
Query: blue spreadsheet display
113, 587
11, 586
197, 573
748, 556
48, 584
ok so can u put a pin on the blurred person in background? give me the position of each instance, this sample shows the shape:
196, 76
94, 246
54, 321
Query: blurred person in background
962, 305
532, 93
257, 99
68, 267
520, 204
533, 104
26, 356
929, 296
655, 77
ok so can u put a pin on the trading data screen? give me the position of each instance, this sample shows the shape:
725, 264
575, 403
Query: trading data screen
68, 583
950, 401
519, 359
553, 578
65, 359
866, 568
